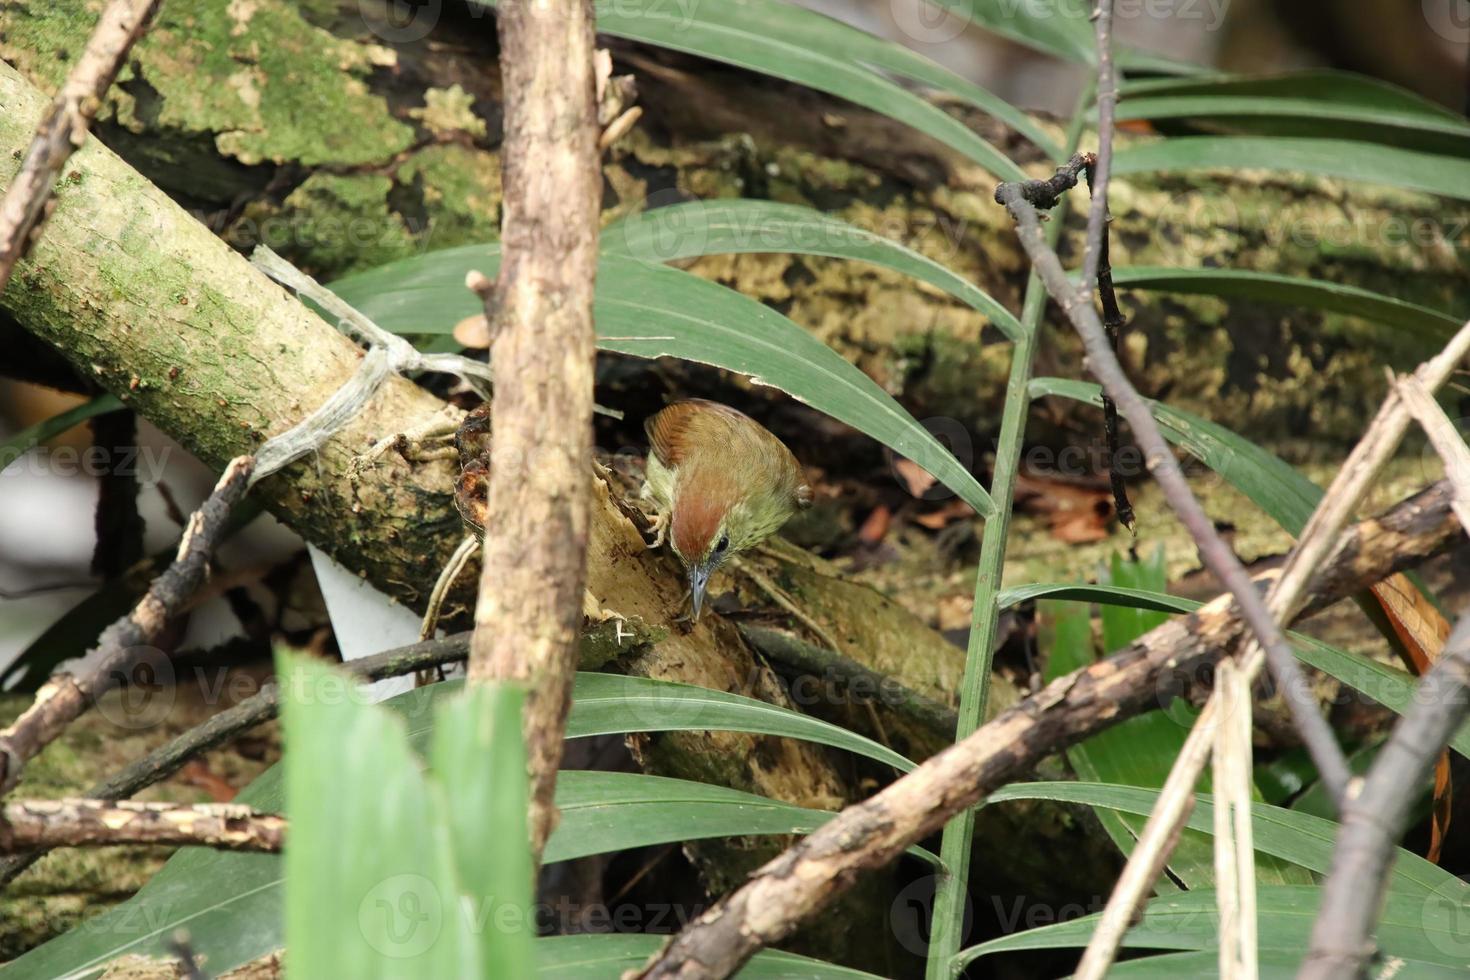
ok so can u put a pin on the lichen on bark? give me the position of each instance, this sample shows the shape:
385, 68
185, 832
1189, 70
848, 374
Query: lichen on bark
268, 83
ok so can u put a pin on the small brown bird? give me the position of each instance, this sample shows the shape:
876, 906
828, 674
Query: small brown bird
721, 484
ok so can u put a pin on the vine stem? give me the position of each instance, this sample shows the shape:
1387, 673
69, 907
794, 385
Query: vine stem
951, 890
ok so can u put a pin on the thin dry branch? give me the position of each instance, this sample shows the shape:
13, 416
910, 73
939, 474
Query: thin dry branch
872, 833
1377, 814
27, 824
125, 643
1235, 853
1442, 435
64, 128
1100, 173
533, 566
1338, 504
257, 709
1213, 551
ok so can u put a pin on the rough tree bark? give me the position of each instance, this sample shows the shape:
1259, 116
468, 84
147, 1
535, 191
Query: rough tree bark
533, 563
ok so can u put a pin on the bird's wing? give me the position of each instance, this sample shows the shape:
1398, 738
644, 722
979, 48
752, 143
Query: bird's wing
671, 430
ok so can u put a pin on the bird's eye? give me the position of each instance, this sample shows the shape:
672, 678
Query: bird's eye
723, 543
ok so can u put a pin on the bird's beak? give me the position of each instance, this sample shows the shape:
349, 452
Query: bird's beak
698, 582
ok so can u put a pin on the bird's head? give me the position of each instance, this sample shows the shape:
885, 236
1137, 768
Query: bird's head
723, 482
716, 515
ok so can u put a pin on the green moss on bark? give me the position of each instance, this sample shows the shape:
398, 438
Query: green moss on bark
72, 884
257, 75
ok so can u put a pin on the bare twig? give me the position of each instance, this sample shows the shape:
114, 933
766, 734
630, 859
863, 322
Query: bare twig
876, 831
1376, 815
64, 127
1336, 508
1100, 172
100, 823
1113, 322
1235, 853
124, 644
533, 565
1047, 194
257, 709
1442, 435
1213, 550
445, 582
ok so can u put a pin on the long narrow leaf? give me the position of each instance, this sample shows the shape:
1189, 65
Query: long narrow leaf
838, 40
1315, 103
1409, 927
1062, 30
722, 227
26, 439
1274, 965
478, 763
1059, 29
1431, 325
1300, 838
787, 42
613, 811
1432, 173
605, 704
389, 867
1116, 594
